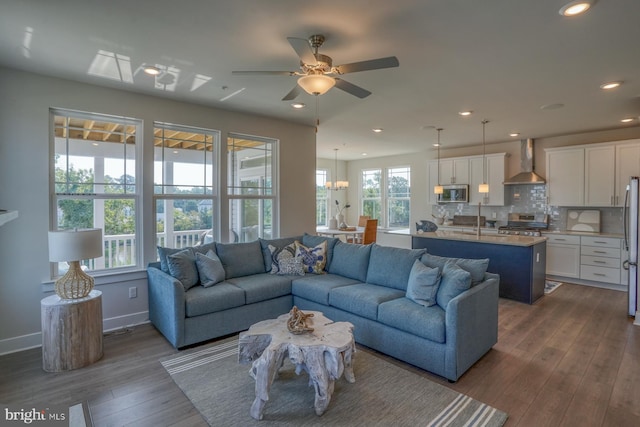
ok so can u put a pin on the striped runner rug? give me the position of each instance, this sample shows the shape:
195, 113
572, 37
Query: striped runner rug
383, 395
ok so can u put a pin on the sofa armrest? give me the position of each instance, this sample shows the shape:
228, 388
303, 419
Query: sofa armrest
471, 323
166, 305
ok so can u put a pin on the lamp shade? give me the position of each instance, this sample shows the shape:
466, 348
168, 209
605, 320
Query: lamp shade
316, 84
75, 245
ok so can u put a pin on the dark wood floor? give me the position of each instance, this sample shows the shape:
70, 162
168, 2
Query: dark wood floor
571, 359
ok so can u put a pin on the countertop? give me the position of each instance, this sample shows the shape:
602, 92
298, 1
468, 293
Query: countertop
496, 239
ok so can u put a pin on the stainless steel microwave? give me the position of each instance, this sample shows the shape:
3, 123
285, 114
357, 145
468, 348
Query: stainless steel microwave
454, 194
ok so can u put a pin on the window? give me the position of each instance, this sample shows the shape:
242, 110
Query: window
94, 183
185, 160
372, 194
322, 197
387, 196
398, 196
251, 187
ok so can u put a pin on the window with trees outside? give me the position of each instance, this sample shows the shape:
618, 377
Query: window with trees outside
94, 183
386, 196
185, 182
251, 187
322, 197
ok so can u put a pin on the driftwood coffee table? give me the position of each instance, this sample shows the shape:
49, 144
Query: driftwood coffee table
325, 354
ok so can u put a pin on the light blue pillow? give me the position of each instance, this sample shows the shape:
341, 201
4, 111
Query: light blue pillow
182, 266
163, 254
423, 284
477, 267
210, 269
454, 281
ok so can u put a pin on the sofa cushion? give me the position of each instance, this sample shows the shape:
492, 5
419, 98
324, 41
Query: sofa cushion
406, 315
316, 288
163, 253
313, 258
423, 284
311, 241
391, 266
276, 243
350, 260
454, 281
362, 299
279, 254
241, 259
291, 266
477, 267
182, 266
210, 269
223, 296
261, 287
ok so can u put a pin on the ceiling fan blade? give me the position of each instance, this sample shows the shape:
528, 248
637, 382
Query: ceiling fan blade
303, 49
351, 88
372, 64
293, 94
263, 73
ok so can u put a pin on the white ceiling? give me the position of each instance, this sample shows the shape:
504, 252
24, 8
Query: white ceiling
503, 59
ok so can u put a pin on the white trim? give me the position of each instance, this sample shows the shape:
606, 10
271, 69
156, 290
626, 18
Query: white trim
104, 279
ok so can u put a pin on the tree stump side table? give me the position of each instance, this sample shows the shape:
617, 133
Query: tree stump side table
71, 332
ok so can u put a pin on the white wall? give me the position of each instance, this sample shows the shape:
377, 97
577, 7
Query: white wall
24, 179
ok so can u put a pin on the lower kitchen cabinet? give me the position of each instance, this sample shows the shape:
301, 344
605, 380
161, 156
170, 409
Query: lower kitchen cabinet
563, 255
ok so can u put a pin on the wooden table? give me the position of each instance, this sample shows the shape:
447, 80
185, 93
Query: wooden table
71, 332
331, 232
325, 354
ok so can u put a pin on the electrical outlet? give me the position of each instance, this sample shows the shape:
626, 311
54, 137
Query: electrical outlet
494, 215
133, 292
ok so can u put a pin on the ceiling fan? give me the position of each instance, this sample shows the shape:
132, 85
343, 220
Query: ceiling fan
316, 75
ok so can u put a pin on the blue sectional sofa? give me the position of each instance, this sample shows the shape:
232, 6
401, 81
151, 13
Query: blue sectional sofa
440, 314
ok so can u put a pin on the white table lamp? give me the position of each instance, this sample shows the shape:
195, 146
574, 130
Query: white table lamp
73, 246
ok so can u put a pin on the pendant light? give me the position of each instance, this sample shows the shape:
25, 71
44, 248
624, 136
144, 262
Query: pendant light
484, 187
438, 189
337, 185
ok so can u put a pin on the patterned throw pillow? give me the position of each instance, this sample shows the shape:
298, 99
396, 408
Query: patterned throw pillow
291, 266
280, 254
313, 259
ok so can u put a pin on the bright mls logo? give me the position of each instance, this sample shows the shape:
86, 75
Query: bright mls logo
36, 415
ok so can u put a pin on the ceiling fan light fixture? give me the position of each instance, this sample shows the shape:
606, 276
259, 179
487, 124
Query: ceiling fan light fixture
316, 84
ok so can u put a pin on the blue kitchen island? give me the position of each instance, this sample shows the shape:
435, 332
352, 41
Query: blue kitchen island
519, 260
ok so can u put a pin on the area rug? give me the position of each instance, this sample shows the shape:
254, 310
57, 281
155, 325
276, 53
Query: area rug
550, 286
383, 394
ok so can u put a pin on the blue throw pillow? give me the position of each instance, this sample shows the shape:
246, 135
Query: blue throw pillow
313, 259
311, 241
477, 267
454, 281
423, 284
182, 266
210, 268
279, 255
163, 253
291, 266
276, 243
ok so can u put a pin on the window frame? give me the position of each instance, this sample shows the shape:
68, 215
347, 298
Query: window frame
322, 203
384, 199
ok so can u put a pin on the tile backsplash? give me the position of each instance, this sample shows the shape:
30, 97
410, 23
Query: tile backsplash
530, 199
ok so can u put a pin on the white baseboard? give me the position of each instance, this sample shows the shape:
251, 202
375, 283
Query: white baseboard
25, 342
637, 320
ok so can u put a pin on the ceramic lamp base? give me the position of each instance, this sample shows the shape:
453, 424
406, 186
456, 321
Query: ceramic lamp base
75, 284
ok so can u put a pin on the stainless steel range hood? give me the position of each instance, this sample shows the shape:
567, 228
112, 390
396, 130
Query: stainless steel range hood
526, 175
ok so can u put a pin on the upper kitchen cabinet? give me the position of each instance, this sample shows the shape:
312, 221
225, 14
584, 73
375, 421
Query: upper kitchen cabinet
496, 166
627, 165
599, 176
565, 177
454, 171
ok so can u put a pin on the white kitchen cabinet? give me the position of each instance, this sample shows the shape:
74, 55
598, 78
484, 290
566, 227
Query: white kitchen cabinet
563, 255
599, 175
565, 177
627, 165
600, 259
496, 165
454, 171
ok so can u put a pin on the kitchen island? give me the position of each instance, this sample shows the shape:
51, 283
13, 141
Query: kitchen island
519, 260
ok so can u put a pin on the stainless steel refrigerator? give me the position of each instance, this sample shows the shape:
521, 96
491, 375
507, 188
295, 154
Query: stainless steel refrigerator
630, 219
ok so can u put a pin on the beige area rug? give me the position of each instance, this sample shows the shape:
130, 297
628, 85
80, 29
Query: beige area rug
383, 394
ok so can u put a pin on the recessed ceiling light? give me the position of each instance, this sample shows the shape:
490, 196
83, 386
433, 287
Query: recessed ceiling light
552, 106
627, 120
514, 134
465, 113
377, 130
298, 105
435, 144
365, 154
175, 151
576, 7
610, 85
151, 70
95, 144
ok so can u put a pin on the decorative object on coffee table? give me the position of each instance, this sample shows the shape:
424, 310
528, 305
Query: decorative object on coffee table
325, 354
297, 323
